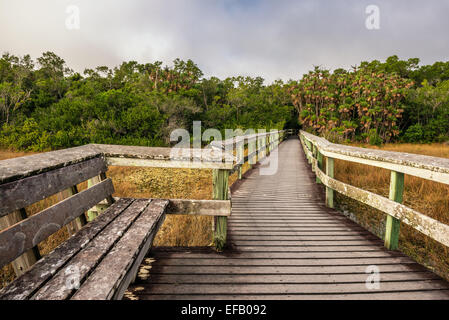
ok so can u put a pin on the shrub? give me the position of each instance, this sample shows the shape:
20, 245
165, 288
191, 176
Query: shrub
374, 138
414, 134
27, 136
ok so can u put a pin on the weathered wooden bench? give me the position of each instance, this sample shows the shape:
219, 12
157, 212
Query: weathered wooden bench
97, 262
102, 256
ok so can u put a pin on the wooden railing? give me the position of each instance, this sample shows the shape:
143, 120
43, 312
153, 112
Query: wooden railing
431, 168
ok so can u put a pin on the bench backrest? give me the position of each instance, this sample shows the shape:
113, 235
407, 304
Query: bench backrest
18, 194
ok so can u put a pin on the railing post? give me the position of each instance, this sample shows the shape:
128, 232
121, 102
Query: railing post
220, 192
262, 148
252, 147
309, 146
330, 191
313, 156
267, 144
319, 157
240, 156
393, 224
30, 257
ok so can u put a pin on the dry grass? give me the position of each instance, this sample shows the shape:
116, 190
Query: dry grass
166, 184
427, 197
7, 154
136, 182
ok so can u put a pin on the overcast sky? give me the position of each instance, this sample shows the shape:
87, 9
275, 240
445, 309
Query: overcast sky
268, 38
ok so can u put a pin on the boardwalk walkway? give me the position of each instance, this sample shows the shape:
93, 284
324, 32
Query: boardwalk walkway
285, 244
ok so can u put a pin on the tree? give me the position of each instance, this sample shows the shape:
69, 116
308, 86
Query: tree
15, 88
427, 113
11, 98
52, 74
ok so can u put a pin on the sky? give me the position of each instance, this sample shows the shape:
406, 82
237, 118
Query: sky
274, 39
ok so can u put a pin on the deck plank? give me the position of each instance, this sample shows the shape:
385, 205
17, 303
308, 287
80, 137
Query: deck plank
406, 295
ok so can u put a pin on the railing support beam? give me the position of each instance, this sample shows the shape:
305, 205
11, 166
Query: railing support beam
393, 224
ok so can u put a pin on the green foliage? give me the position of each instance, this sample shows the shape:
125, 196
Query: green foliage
361, 104
427, 113
414, 133
374, 138
51, 107
28, 136
48, 106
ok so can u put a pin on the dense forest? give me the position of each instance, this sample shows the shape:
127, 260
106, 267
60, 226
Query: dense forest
45, 105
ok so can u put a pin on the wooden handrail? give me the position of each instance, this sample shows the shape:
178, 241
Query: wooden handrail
26, 166
207, 158
255, 142
427, 167
240, 138
431, 168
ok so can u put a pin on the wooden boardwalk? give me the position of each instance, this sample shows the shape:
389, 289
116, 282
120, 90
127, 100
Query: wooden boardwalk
285, 244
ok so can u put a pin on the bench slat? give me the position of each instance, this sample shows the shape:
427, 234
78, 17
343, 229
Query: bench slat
65, 282
26, 285
26, 234
114, 274
19, 194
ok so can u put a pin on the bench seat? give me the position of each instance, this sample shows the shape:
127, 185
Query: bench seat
99, 261
109, 236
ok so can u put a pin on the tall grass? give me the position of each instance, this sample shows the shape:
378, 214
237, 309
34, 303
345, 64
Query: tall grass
428, 197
